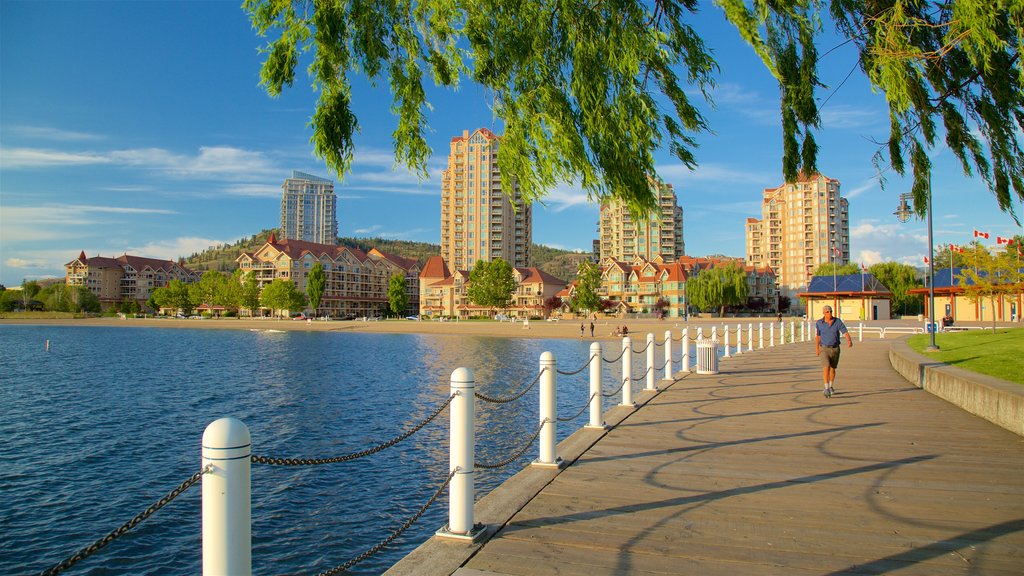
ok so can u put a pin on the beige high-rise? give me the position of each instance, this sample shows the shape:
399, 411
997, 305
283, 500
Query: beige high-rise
802, 226
477, 218
660, 234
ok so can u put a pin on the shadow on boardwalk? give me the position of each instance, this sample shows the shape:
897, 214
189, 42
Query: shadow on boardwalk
753, 471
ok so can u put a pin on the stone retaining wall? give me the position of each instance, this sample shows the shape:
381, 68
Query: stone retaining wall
993, 399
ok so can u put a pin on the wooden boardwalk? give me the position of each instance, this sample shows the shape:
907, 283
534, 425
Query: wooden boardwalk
753, 471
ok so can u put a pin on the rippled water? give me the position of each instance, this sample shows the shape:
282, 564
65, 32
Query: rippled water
110, 419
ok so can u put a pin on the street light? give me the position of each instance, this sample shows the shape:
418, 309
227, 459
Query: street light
902, 213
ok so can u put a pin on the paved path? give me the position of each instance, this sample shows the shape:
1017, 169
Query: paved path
753, 471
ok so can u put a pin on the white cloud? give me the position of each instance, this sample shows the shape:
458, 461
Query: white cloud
869, 184
254, 190
368, 230
23, 263
870, 257
48, 133
379, 231
17, 158
711, 172
174, 248
847, 117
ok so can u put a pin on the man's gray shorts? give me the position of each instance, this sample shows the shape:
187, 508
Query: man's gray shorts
830, 356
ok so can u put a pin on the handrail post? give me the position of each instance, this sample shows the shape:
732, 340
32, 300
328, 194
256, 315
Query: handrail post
668, 354
227, 502
627, 371
548, 410
760, 335
739, 339
700, 332
462, 454
714, 333
595, 386
802, 335
750, 337
792, 332
726, 330
860, 332
650, 361
771, 334
686, 350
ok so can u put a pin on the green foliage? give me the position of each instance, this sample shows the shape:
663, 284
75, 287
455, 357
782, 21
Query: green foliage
587, 297
995, 353
899, 278
249, 297
282, 295
9, 300
989, 275
826, 268
491, 284
588, 92
315, 283
176, 295
209, 289
718, 287
398, 300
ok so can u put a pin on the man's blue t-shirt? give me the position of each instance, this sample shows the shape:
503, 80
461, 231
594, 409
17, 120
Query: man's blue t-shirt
830, 334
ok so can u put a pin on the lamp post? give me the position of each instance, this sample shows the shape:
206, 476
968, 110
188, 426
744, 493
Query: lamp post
903, 212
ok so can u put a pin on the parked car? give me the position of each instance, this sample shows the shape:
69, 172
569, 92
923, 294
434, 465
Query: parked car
412, 317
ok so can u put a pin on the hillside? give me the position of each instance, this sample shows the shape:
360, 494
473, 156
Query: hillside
559, 263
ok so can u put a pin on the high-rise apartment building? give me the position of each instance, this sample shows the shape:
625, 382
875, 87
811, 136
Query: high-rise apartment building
309, 209
478, 221
802, 225
660, 234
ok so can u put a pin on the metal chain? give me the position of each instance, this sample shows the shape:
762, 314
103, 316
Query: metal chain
573, 373
514, 397
642, 376
621, 354
644, 349
680, 339
354, 455
412, 520
585, 406
617, 390
88, 550
656, 345
515, 456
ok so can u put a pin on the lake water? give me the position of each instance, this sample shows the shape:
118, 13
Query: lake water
110, 420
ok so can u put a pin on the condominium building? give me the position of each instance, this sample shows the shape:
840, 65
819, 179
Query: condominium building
356, 282
445, 293
802, 225
125, 277
309, 209
478, 219
660, 234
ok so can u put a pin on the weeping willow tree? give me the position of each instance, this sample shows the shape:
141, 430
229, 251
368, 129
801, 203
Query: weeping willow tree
587, 92
718, 287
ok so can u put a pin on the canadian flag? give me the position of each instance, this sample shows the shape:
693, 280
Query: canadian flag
978, 234
835, 251
1007, 241
863, 267
925, 259
955, 248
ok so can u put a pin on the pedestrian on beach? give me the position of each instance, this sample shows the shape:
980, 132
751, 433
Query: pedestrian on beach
828, 331
581, 330
591, 329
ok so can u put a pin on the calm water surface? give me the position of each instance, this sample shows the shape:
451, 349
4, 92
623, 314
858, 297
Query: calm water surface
110, 420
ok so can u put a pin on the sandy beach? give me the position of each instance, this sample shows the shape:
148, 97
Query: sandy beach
566, 328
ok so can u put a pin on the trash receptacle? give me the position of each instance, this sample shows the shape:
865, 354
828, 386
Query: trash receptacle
707, 356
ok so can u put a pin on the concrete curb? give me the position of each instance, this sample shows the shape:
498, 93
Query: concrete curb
994, 399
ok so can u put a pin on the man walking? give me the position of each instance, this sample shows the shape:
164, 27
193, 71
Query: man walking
828, 330
591, 329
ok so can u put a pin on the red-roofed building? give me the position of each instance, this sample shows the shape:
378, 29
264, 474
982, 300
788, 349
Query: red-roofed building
356, 282
126, 277
443, 293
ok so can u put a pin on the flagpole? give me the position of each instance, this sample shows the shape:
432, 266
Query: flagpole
931, 270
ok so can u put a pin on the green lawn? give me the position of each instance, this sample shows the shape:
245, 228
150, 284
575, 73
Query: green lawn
1000, 354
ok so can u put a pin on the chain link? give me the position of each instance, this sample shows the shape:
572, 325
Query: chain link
680, 339
642, 376
573, 373
412, 520
515, 456
621, 354
585, 406
354, 455
89, 550
657, 345
644, 349
617, 390
514, 397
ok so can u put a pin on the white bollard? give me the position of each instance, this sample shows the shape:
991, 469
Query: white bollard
700, 333
714, 333
739, 339
462, 454
650, 362
802, 334
792, 332
726, 330
548, 410
750, 337
227, 503
686, 350
760, 335
595, 386
860, 332
771, 334
627, 371
668, 354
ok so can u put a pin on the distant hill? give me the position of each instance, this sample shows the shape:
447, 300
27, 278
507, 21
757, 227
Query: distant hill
559, 263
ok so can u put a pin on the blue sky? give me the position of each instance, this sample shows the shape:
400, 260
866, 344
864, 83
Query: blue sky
141, 127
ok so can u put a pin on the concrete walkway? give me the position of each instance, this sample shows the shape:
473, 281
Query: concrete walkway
753, 471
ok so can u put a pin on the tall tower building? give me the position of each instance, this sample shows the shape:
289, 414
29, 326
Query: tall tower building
477, 218
660, 234
309, 209
802, 225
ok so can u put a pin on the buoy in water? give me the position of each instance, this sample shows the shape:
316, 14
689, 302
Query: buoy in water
47, 345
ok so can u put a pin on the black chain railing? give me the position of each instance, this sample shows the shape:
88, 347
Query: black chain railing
89, 550
398, 532
513, 397
574, 372
585, 406
518, 453
354, 455
616, 359
642, 376
644, 349
617, 390
661, 345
